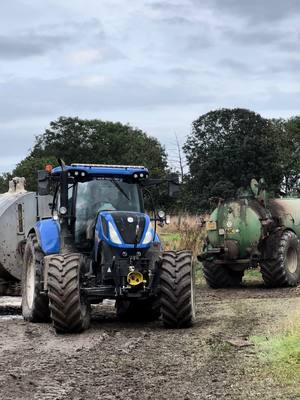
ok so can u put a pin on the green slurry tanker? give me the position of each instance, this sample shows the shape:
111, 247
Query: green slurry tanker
252, 231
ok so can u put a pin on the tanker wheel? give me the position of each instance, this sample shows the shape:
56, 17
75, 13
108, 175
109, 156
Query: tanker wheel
284, 268
177, 289
220, 276
35, 304
69, 310
138, 310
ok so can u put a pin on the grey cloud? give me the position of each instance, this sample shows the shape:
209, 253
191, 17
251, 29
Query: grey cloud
289, 45
280, 100
255, 10
177, 20
167, 6
35, 98
198, 41
255, 36
279, 67
235, 66
27, 45
288, 67
182, 72
44, 38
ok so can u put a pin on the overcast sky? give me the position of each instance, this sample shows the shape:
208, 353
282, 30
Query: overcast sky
155, 64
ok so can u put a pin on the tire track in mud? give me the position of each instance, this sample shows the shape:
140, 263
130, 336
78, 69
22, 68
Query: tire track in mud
144, 361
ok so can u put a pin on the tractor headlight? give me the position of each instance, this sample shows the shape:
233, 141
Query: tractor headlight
114, 237
149, 235
63, 210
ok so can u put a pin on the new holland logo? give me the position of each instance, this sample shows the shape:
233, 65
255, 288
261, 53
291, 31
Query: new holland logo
130, 220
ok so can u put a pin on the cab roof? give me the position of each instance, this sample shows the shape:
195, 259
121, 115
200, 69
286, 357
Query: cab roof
88, 171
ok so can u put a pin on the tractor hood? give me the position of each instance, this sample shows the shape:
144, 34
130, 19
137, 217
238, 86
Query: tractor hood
125, 229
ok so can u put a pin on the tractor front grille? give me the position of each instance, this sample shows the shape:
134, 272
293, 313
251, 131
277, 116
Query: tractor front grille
131, 232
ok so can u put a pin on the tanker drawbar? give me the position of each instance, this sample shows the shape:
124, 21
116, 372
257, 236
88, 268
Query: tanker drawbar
253, 231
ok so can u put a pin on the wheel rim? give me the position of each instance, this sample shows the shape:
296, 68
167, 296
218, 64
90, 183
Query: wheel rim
292, 260
30, 282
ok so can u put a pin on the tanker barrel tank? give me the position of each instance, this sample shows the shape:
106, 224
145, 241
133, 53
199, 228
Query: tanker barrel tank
19, 210
253, 230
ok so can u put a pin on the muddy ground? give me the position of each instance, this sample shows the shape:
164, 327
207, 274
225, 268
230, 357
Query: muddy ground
114, 360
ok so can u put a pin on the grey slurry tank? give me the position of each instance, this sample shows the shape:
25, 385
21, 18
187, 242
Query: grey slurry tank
19, 210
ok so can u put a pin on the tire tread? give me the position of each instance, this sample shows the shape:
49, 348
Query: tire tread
176, 279
64, 294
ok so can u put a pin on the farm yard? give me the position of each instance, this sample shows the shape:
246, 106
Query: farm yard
242, 346
115, 115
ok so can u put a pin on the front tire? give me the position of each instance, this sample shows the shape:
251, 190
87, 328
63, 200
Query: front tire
70, 312
283, 268
35, 304
177, 289
219, 276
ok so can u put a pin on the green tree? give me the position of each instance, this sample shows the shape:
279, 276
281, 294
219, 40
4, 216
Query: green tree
227, 148
288, 134
93, 141
28, 168
4, 180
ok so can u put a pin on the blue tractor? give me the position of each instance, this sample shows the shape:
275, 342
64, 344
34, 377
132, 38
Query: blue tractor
100, 244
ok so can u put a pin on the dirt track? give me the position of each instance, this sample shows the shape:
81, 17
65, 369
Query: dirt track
144, 361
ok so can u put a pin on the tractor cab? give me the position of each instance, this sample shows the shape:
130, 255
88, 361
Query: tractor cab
109, 197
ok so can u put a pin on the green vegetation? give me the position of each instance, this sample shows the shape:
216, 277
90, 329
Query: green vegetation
226, 148
252, 275
280, 353
170, 240
200, 280
92, 141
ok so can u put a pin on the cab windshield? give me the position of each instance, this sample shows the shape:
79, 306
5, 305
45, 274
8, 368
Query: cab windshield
103, 195
108, 195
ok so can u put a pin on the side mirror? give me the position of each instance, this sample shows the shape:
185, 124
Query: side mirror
43, 183
174, 186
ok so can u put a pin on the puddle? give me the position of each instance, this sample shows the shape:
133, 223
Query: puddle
10, 308
10, 317
109, 302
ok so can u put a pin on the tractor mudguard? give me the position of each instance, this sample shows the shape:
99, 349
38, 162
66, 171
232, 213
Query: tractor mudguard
48, 234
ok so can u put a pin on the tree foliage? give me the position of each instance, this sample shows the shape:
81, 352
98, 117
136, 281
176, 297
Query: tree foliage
92, 141
28, 168
4, 180
230, 146
288, 134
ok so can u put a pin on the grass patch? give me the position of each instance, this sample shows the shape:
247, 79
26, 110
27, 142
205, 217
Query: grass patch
186, 237
252, 275
281, 353
200, 280
170, 240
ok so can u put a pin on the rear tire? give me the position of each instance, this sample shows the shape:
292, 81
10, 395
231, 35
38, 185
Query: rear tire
220, 276
35, 304
177, 289
283, 269
70, 312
